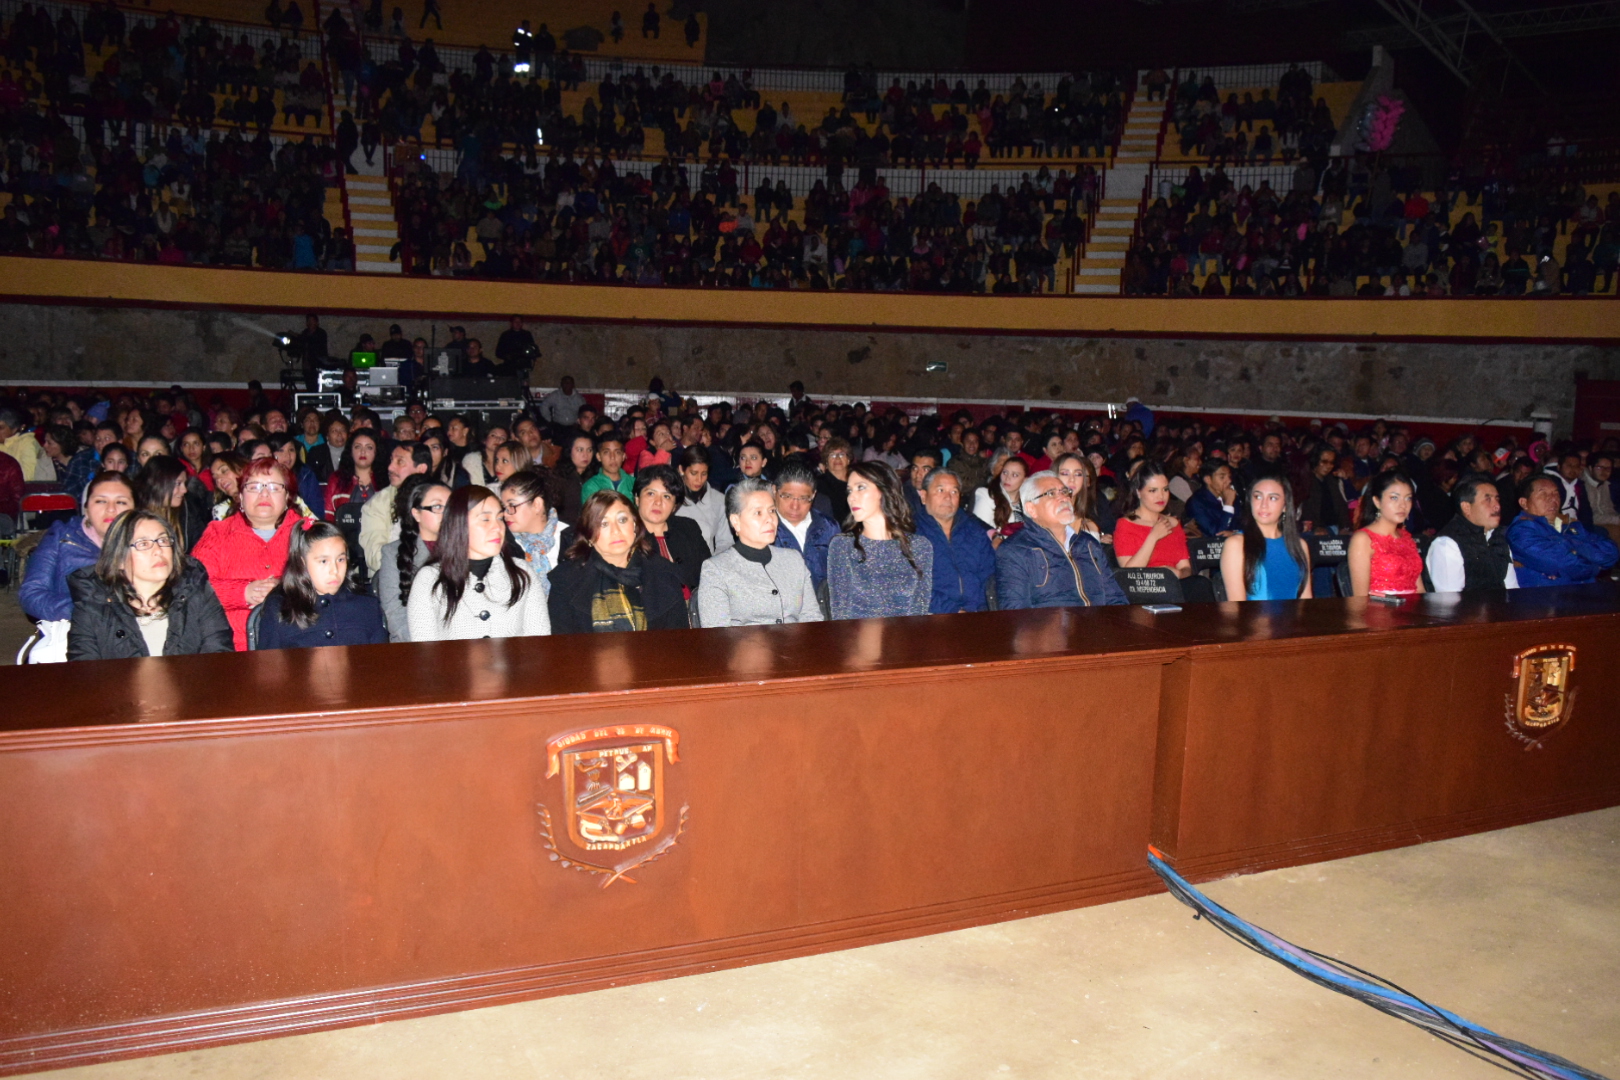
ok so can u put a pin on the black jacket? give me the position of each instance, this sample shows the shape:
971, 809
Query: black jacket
345, 618
573, 583
687, 549
104, 626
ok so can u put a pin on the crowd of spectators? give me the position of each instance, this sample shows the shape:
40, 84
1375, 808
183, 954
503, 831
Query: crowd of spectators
1355, 230
339, 528
559, 219
159, 174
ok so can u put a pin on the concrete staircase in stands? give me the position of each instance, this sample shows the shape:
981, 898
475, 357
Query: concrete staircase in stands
1104, 261
371, 213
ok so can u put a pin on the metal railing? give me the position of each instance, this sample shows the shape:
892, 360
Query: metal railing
1238, 76
309, 45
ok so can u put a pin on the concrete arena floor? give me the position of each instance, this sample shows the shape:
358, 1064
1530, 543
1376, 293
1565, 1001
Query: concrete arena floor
1518, 930
14, 626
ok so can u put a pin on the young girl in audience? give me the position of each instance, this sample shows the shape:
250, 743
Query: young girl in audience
1271, 562
471, 587
314, 603
874, 569
1383, 557
144, 597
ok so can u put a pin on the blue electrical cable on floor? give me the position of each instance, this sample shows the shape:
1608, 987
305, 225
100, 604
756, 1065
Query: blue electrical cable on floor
1383, 995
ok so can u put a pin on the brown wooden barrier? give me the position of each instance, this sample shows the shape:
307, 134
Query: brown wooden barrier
200, 850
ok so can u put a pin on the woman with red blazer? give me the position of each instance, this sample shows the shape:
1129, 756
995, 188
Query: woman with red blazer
245, 553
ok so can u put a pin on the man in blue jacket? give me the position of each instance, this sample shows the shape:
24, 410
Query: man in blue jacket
801, 528
964, 561
1048, 563
1550, 547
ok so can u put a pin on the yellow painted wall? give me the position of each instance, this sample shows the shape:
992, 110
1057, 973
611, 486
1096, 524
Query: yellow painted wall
28, 279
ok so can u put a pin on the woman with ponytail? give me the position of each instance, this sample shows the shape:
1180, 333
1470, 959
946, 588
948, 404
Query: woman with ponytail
419, 504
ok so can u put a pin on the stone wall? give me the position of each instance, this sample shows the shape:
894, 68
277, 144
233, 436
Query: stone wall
45, 343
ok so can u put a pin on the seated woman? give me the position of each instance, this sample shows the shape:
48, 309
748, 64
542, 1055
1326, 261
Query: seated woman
874, 567
163, 487
68, 546
144, 597
1383, 557
510, 457
359, 476
420, 507
701, 502
480, 464
680, 540
1272, 562
533, 523
1215, 507
996, 504
611, 579
1080, 478
1147, 535
754, 583
315, 604
472, 587
244, 553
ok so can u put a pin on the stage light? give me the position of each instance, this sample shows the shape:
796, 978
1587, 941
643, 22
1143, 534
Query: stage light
935, 366
540, 135
521, 68
284, 340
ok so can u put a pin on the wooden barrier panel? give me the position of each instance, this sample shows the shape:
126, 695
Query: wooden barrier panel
198, 850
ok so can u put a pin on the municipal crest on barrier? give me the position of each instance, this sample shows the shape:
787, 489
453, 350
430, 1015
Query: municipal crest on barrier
1542, 699
616, 812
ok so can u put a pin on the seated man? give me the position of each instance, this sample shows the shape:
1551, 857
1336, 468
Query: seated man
802, 528
1471, 553
964, 561
1048, 563
1551, 547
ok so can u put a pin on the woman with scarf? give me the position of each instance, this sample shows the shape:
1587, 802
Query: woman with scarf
534, 523
611, 578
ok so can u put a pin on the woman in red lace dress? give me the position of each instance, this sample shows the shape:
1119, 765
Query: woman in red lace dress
1384, 559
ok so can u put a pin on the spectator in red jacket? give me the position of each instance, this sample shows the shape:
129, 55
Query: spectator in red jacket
246, 552
11, 486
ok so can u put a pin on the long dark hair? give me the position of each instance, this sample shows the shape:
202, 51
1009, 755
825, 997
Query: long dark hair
1366, 511
1131, 493
346, 462
298, 596
1085, 500
896, 511
410, 496
115, 552
450, 556
1254, 541
535, 482
154, 487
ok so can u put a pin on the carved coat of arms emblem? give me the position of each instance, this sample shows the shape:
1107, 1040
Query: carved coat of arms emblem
1543, 697
615, 807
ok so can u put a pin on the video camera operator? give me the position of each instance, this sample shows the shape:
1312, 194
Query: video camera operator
516, 350
309, 349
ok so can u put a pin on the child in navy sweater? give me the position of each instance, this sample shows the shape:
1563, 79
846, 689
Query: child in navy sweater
315, 604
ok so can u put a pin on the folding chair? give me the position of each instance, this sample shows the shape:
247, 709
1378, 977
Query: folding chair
46, 504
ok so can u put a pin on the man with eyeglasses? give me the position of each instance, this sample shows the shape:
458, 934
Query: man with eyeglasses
802, 527
1049, 563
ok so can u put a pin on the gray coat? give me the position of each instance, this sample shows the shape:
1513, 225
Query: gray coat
710, 514
479, 615
385, 584
737, 592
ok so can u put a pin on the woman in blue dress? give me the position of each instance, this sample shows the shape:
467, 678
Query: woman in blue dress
1267, 560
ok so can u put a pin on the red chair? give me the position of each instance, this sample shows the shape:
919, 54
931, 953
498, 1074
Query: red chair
45, 504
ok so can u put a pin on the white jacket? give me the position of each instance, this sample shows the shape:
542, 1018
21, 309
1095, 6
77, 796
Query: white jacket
480, 614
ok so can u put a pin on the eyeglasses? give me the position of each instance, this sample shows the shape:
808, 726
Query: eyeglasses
432, 508
262, 488
795, 498
514, 507
147, 543
1050, 491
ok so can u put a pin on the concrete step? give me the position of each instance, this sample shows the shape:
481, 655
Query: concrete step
1103, 262
373, 249
1089, 289
370, 200
370, 215
1100, 271
382, 234
394, 268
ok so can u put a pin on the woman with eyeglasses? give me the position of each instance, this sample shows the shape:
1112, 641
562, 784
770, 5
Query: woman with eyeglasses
526, 498
680, 540
833, 480
473, 587
144, 597
245, 553
420, 504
